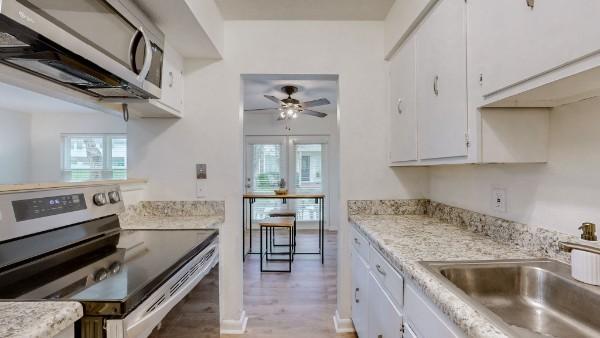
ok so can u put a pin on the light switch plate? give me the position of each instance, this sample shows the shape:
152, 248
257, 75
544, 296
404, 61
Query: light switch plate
499, 199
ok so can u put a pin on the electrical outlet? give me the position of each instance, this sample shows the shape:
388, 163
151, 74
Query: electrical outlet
499, 199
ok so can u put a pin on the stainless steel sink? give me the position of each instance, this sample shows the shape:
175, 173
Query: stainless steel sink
526, 298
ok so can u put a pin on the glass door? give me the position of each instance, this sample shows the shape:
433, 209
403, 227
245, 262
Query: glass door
265, 158
308, 172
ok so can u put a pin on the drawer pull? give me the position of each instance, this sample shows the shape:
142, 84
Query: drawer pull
356, 295
380, 269
356, 241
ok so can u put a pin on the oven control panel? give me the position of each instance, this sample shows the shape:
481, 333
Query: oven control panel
47, 206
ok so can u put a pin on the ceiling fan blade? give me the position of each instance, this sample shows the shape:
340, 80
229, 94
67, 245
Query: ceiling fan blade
313, 113
316, 103
273, 98
261, 109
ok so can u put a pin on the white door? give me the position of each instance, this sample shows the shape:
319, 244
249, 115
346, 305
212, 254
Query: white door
403, 115
360, 298
385, 320
441, 82
265, 167
308, 175
511, 42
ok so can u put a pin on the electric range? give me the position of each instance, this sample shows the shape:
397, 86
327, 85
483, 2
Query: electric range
68, 245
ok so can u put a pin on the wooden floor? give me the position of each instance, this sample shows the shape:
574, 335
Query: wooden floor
297, 304
300, 304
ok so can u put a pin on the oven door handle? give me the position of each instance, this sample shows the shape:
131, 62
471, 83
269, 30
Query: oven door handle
144, 325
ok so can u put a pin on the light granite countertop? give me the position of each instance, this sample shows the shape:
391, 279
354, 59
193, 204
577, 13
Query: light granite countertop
407, 239
171, 222
37, 319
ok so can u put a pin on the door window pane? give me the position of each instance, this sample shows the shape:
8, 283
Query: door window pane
266, 174
309, 174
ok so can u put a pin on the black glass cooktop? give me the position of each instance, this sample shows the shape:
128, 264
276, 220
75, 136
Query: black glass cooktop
122, 268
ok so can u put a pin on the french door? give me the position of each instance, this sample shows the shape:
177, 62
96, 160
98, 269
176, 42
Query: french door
300, 160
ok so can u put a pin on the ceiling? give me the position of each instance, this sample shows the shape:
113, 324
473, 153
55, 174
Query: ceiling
25, 101
304, 9
309, 88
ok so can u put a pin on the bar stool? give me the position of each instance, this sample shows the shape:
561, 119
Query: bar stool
269, 224
283, 213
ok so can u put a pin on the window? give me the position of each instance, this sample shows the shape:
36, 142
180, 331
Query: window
94, 156
309, 166
266, 174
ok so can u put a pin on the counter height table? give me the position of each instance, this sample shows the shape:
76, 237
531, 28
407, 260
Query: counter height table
251, 199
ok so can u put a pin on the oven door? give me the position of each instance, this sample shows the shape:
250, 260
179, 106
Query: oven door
105, 33
150, 313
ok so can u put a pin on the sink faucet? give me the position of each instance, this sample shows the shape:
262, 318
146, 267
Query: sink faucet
589, 231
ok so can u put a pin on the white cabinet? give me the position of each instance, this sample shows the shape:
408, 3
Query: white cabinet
425, 319
170, 103
403, 113
172, 79
360, 301
441, 81
512, 42
385, 319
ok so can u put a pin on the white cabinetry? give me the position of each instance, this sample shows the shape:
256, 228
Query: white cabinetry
403, 113
435, 75
512, 42
385, 319
170, 103
426, 320
441, 82
360, 287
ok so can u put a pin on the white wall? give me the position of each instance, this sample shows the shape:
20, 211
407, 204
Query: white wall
165, 151
558, 195
15, 146
46, 142
399, 20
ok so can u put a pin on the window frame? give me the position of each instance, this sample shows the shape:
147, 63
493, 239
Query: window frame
107, 153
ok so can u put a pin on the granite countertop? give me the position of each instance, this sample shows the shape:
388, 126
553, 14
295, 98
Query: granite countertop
37, 319
405, 240
172, 222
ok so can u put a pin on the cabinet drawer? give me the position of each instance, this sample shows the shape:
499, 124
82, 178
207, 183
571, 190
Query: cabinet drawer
425, 319
360, 244
387, 276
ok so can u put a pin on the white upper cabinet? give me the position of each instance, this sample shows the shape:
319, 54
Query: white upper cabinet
403, 114
441, 82
513, 42
172, 83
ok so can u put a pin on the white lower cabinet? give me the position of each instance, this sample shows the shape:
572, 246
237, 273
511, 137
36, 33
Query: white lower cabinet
385, 319
360, 289
385, 306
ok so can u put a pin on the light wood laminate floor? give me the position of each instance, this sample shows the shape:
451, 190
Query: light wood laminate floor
297, 304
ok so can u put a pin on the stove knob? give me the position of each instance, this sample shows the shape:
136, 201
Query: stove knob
101, 275
114, 197
100, 199
114, 267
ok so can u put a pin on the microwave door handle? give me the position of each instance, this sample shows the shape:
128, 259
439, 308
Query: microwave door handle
147, 58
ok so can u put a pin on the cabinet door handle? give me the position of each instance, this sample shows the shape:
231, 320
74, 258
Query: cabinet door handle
380, 269
436, 89
356, 295
172, 81
398, 106
356, 241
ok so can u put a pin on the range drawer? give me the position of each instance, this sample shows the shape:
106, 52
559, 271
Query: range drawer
389, 278
360, 244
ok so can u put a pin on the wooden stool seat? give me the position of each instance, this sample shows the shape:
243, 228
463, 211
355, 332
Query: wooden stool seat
282, 213
277, 222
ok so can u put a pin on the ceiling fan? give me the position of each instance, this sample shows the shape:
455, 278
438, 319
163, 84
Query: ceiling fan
290, 108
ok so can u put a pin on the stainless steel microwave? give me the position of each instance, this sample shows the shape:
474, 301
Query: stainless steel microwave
105, 48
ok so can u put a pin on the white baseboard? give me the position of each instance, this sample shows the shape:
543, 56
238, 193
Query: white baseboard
235, 326
342, 325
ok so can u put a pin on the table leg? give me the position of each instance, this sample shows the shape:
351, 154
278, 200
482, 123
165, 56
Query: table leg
322, 220
250, 222
243, 229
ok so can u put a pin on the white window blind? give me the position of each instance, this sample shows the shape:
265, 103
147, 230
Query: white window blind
94, 156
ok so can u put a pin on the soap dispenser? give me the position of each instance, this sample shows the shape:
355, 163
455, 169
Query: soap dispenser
585, 257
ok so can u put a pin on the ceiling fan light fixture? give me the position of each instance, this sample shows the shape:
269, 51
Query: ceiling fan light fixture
290, 112
295, 115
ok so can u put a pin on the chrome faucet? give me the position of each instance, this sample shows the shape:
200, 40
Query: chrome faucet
589, 231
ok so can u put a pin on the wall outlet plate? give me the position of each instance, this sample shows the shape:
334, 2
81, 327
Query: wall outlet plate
499, 199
